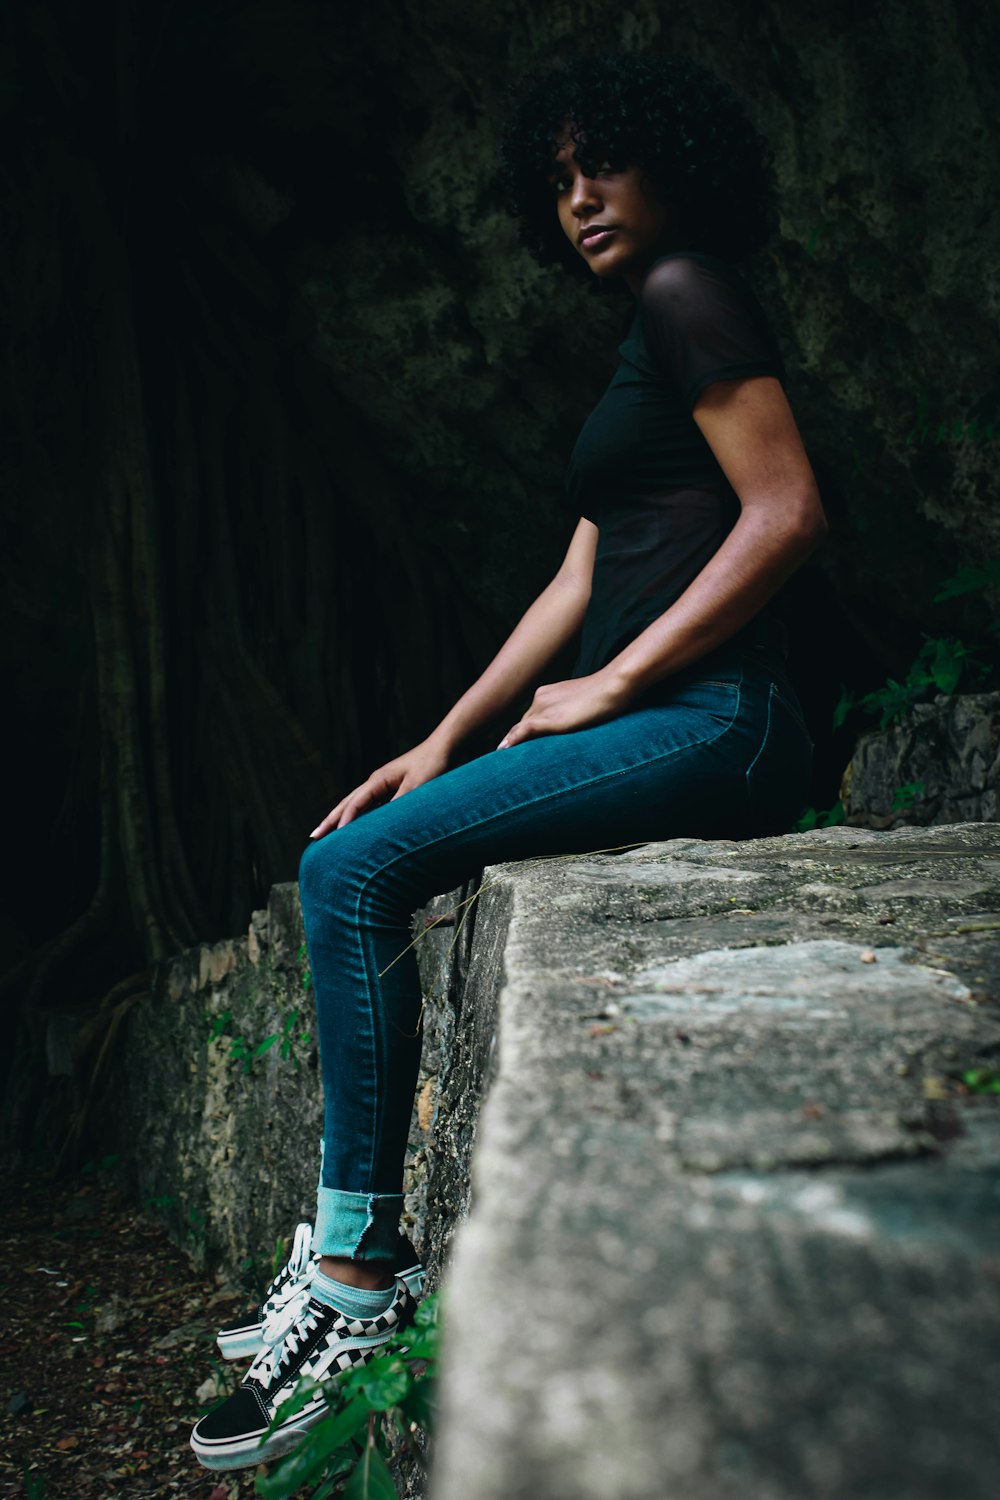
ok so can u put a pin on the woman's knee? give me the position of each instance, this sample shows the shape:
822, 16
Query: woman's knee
343, 861
315, 871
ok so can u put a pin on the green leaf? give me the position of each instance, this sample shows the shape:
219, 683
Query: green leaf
843, 706
969, 580
420, 1405
896, 698
347, 1384
906, 796
946, 666
428, 1314
387, 1383
266, 1045
219, 1024
422, 1346
371, 1479
331, 1484
981, 1081
810, 819
303, 1463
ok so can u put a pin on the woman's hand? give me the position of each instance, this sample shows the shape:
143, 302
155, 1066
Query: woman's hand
422, 763
560, 707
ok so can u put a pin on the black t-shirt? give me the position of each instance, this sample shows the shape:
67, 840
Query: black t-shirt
641, 469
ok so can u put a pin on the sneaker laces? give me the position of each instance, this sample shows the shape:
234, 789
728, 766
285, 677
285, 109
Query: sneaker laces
295, 1266
301, 1245
283, 1332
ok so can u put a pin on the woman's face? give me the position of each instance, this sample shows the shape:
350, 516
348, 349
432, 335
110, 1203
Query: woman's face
615, 219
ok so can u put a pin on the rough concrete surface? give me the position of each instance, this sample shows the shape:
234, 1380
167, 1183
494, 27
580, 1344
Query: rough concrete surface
735, 1213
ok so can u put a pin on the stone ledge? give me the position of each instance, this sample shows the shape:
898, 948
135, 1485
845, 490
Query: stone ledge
731, 1218
729, 1229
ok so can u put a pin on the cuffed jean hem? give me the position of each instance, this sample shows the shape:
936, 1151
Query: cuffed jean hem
357, 1226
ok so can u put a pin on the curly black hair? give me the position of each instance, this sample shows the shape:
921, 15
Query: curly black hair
664, 113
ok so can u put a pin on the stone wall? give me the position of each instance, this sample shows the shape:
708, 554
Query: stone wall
220, 1106
939, 764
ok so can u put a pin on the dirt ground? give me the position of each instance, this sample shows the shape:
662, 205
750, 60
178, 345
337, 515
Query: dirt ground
107, 1349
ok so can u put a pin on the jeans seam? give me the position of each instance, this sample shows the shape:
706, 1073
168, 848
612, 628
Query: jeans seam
790, 709
763, 746
507, 812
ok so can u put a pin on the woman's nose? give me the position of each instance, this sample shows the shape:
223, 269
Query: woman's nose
585, 195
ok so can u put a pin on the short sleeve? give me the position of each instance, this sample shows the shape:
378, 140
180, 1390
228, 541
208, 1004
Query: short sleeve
702, 323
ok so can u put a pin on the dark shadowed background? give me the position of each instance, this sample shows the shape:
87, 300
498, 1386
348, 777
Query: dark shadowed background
285, 412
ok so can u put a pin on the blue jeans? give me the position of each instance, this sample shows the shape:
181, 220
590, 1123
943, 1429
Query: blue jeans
717, 751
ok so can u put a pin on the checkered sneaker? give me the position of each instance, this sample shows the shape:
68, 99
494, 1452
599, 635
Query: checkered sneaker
409, 1269
246, 1338
310, 1339
242, 1339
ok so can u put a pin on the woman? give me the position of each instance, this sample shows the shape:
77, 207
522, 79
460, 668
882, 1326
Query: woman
695, 502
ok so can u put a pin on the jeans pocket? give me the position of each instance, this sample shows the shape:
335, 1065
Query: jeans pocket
778, 777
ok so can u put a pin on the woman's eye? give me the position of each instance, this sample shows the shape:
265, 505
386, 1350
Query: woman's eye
560, 184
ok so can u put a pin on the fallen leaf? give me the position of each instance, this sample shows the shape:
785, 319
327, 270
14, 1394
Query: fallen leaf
67, 1442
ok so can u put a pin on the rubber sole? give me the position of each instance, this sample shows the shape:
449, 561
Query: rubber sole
248, 1452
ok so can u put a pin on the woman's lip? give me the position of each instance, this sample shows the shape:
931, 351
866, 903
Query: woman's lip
596, 236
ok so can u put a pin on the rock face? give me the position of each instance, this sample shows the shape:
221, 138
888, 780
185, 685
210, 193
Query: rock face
879, 277
734, 1215
941, 764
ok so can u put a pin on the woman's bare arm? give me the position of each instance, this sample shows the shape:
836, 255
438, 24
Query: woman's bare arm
546, 627
750, 429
